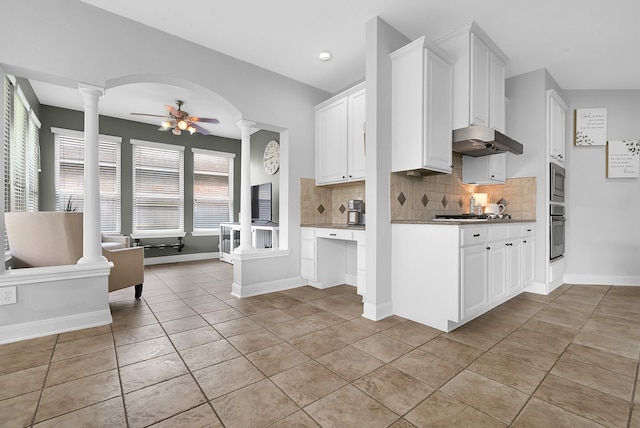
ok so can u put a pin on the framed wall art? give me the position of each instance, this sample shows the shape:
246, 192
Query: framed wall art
590, 127
623, 159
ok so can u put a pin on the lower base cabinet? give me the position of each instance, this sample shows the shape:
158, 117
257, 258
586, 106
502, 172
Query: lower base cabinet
446, 275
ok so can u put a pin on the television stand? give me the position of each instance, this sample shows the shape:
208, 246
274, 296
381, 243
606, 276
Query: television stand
263, 236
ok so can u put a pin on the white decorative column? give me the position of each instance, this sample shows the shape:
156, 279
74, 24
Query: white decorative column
245, 187
91, 243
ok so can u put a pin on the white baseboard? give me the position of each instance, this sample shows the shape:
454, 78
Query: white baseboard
148, 261
602, 280
377, 312
537, 288
31, 330
266, 287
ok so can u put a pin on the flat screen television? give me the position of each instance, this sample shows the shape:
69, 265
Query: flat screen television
261, 203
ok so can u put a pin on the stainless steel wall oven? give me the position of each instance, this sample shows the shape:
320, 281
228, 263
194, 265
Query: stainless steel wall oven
556, 231
556, 190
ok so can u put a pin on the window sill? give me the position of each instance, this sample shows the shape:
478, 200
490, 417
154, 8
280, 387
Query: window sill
158, 234
212, 232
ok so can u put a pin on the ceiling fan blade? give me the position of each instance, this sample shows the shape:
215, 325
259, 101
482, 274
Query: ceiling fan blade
172, 110
153, 115
204, 120
200, 129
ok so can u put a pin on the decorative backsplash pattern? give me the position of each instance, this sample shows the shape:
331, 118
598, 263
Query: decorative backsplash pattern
327, 204
421, 198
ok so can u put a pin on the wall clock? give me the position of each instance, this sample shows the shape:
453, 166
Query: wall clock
271, 158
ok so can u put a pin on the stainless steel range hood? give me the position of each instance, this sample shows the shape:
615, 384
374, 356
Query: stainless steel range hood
482, 141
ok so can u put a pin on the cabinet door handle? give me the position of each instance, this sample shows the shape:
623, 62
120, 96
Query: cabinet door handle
509, 244
488, 248
528, 230
493, 176
476, 235
332, 234
524, 242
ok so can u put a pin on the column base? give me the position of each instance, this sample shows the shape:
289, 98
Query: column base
94, 259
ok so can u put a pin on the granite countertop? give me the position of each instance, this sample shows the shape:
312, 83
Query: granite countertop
336, 226
463, 222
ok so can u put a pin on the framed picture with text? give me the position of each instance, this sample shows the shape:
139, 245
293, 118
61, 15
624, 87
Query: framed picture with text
591, 127
623, 159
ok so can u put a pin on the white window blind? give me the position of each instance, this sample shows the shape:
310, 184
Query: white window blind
69, 176
212, 189
18, 155
158, 188
7, 145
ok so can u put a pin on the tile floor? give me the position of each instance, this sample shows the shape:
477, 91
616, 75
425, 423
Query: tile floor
190, 355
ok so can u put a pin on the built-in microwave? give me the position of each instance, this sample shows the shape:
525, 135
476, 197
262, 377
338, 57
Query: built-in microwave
556, 191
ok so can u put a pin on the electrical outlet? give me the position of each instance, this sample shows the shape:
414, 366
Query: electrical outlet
8, 295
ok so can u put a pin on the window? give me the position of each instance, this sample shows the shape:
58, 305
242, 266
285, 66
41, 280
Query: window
158, 188
69, 175
212, 190
21, 151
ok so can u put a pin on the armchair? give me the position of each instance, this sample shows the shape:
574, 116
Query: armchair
46, 238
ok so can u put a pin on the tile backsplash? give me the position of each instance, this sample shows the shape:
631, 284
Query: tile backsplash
327, 204
423, 197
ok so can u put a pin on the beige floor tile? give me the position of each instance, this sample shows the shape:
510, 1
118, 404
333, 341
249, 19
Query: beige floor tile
83, 334
272, 317
635, 416
322, 319
599, 358
544, 335
440, 410
149, 372
169, 297
300, 310
291, 329
308, 382
202, 416
236, 326
19, 411
603, 380
202, 298
227, 376
297, 420
508, 372
160, 401
191, 338
533, 357
402, 423
256, 405
380, 325
317, 344
412, 333
432, 370
472, 337
349, 331
208, 354
350, 362
395, 389
350, 407
174, 314
138, 334
221, 316
254, 308
494, 325
184, 324
452, 350
22, 360
210, 307
490, 397
283, 301
83, 365
22, 382
562, 316
106, 414
538, 413
48, 342
609, 344
587, 402
383, 347
277, 358
628, 332
254, 340
133, 322
145, 350
83, 346
60, 399
166, 306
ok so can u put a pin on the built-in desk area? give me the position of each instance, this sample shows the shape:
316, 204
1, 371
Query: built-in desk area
334, 255
262, 236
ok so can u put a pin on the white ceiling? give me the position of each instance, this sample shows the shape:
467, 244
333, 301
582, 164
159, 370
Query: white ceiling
585, 44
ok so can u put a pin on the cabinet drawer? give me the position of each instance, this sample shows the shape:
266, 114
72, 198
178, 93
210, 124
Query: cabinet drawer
527, 230
497, 233
473, 235
334, 234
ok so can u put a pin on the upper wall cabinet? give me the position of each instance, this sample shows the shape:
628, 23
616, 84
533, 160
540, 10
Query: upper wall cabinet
340, 137
556, 112
479, 76
422, 110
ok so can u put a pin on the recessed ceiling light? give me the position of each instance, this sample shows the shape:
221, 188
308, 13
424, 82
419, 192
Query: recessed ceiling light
325, 56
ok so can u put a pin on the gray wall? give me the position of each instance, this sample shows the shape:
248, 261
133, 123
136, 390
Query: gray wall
603, 236
259, 141
70, 119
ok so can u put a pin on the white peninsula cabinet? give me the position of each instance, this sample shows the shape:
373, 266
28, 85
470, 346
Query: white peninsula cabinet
332, 257
421, 108
446, 275
340, 137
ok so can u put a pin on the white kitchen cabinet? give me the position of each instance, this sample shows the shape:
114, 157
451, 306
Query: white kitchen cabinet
490, 169
479, 77
421, 104
332, 256
556, 115
340, 137
446, 275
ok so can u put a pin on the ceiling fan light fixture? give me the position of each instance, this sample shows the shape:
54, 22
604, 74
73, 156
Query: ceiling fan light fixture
182, 124
191, 129
176, 131
166, 124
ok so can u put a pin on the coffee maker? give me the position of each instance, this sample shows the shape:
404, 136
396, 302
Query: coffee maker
355, 216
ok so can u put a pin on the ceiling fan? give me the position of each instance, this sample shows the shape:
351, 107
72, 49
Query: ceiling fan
179, 120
